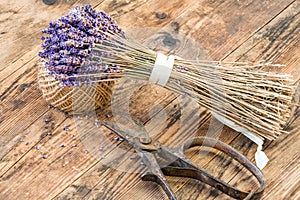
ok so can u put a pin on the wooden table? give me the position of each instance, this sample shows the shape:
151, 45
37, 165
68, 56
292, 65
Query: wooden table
227, 30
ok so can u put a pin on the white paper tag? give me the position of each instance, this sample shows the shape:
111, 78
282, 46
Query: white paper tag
261, 158
162, 69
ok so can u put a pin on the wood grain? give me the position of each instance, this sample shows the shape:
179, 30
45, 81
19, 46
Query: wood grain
230, 30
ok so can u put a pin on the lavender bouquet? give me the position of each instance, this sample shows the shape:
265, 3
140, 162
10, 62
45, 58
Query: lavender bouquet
85, 47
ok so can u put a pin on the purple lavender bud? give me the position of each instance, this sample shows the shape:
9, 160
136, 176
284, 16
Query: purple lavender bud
85, 151
66, 128
44, 31
96, 123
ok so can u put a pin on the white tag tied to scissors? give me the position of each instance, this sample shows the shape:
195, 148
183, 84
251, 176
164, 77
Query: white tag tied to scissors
261, 158
162, 69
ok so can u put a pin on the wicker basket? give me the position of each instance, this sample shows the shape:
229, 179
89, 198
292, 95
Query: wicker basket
73, 100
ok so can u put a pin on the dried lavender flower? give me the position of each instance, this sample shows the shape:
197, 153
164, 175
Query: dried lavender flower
66, 128
47, 120
69, 40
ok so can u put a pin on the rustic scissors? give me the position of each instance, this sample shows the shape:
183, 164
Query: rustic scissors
162, 160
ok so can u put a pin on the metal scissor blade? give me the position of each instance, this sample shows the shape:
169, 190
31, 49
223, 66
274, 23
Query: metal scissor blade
123, 130
155, 174
125, 133
136, 139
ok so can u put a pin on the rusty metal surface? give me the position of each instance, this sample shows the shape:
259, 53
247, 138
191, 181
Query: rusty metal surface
163, 161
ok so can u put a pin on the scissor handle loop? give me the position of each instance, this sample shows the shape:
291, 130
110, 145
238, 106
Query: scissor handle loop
216, 144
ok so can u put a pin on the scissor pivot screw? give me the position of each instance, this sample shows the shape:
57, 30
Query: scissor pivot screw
145, 140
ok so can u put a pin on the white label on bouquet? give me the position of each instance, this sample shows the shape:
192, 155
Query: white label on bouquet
261, 158
162, 69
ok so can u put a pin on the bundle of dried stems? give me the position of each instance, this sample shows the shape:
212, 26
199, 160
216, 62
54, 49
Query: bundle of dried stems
86, 47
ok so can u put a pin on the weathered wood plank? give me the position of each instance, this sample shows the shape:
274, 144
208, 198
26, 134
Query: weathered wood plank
21, 24
76, 174
14, 121
278, 41
223, 28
